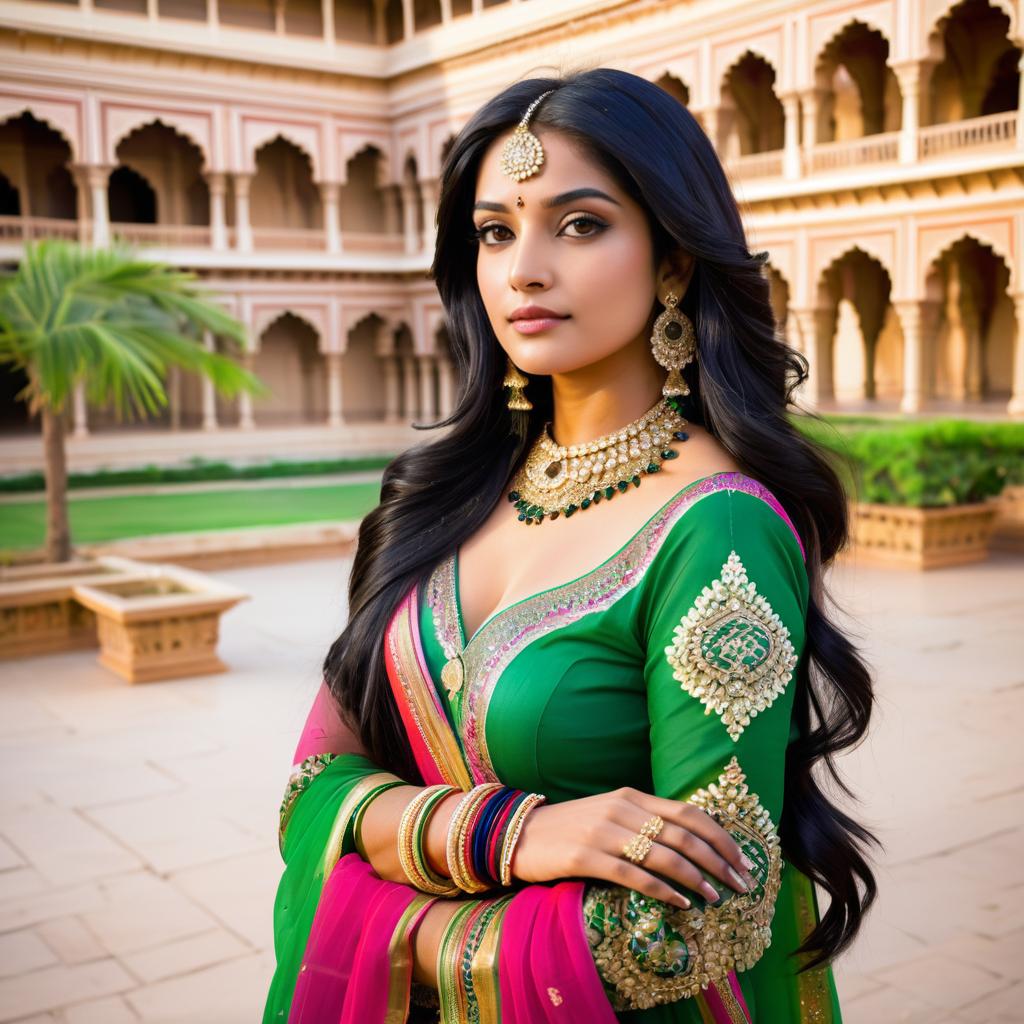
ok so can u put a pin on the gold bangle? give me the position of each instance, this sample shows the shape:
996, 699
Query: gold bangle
455, 845
408, 829
515, 826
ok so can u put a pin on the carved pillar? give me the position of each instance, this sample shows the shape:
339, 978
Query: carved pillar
913, 79
412, 241
243, 229
218, 221
429, 197
408, 20
446, 11
246, 419
409, 411
327, 17
446, 373
810, 102
329, 192
1016, 406
917, 322
428, 403
392, 398
791, 146
80, 411
709, 119
1020, 95
814, 328
99, 177
392, 209
335, 416
209, 394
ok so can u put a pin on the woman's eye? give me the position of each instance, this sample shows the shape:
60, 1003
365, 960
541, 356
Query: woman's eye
482, 233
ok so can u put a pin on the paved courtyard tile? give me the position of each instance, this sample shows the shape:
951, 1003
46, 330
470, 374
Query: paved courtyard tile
138, 852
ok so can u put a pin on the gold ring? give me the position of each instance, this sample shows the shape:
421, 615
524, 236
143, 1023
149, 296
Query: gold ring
637, 848
652, 827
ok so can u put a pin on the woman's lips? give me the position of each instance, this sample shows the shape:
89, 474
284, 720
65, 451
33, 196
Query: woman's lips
540, 324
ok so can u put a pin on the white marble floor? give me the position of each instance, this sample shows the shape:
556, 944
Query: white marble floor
138, 857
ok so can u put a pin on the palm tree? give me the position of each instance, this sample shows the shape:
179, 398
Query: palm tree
114, 322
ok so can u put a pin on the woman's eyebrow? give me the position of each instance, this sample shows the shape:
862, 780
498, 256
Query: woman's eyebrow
560, 200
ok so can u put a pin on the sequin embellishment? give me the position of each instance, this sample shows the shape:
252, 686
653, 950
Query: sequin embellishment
648, 952
731, 651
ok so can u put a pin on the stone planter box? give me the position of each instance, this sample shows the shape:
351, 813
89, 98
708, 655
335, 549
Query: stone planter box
921, 538
38, 610
1008, 532
162, 625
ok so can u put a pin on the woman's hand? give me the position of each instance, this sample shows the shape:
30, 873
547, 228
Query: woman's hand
584, 838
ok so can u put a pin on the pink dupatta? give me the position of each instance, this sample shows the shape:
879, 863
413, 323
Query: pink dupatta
357, 967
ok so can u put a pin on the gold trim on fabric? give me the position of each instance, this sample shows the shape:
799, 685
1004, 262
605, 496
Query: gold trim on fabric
649, 953
419, 693
400, 955
332, 850
812, 985
731, 650
737, 1015
499, 640
484, 967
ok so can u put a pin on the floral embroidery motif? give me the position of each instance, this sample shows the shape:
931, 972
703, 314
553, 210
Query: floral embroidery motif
648, 952
301, 776
731, 651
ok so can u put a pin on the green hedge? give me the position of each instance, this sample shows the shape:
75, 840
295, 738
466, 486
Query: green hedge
196, 469
925, 464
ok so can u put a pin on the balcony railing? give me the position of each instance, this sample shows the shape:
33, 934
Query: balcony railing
976, 134
881, 148
288, 238
369, 241
24, 229
756, 165
191, 236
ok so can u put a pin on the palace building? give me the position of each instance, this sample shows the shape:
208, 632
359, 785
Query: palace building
288, 152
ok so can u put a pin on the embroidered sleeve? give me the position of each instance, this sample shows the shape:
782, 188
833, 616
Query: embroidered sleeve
724, 636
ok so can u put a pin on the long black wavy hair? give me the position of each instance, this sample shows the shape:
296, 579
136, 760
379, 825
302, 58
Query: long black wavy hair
436, 494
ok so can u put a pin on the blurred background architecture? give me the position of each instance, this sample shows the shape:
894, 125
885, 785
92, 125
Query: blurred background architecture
288, 151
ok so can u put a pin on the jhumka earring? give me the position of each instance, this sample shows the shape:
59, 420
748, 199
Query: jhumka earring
674, 344
516, 380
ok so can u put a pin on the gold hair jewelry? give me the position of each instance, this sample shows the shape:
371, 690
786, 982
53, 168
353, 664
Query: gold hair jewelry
522, 154
674, 344
554, 479
516, 380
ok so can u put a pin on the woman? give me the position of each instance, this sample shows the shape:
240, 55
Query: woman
565, 773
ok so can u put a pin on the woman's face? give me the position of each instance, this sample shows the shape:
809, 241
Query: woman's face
587, 257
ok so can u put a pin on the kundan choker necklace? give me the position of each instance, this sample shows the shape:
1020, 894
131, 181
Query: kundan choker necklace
556, 479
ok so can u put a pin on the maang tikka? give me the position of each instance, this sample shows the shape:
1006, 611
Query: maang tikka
521, 157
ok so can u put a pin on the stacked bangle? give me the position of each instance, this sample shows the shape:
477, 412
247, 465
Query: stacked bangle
357, 816
483, 832
412, 830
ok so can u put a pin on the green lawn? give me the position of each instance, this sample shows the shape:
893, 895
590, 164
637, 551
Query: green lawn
103, 519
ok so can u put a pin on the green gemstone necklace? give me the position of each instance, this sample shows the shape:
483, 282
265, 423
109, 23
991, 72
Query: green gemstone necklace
555, 479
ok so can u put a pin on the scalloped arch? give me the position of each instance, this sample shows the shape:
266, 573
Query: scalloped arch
866, 248
944, 10
272, 133
125, 131
11, 108
265, 318
863, 20
754, 51
939, 249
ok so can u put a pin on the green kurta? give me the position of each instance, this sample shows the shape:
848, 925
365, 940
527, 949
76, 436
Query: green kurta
655, 670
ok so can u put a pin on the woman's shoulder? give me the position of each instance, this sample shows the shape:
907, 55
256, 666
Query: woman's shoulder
725, 506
